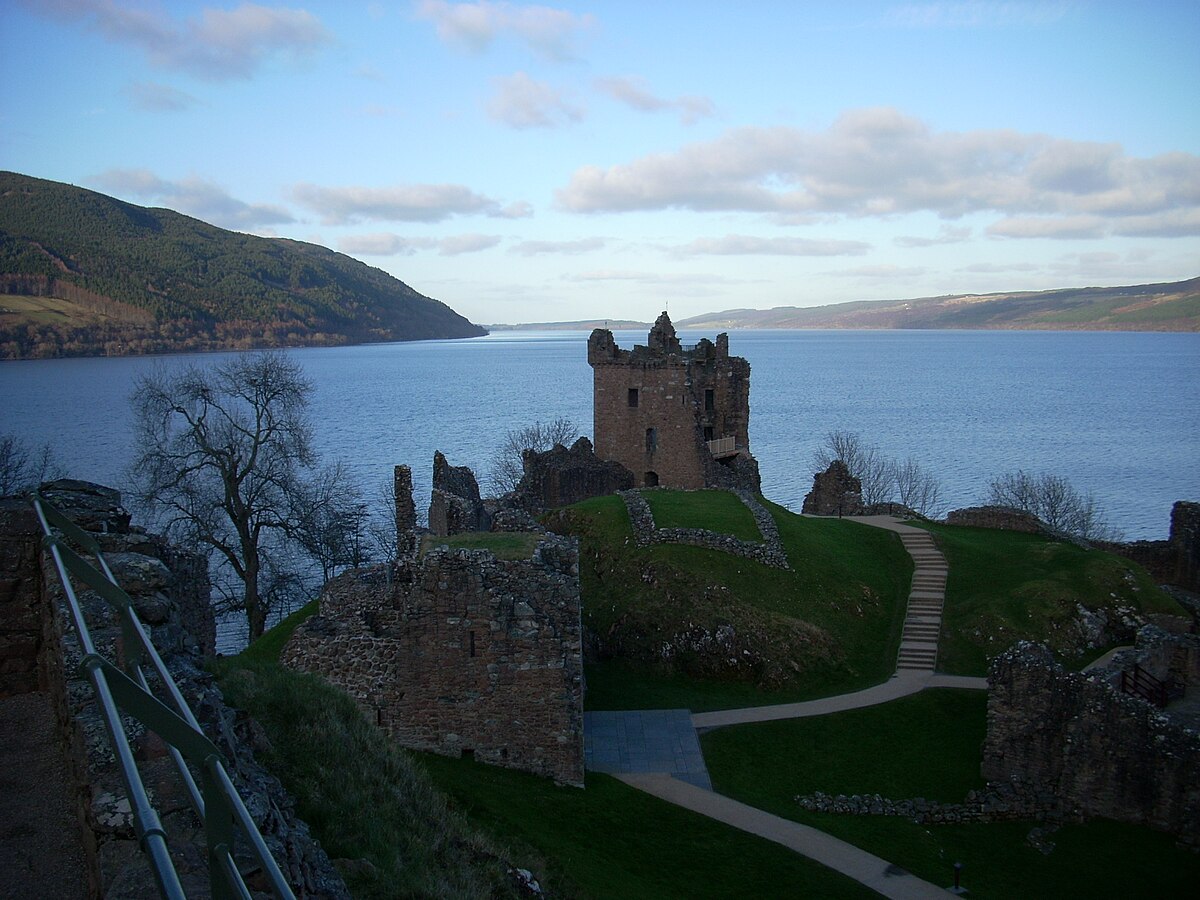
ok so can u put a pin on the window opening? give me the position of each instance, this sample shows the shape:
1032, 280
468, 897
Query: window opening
708, 400
651, 440
633, 397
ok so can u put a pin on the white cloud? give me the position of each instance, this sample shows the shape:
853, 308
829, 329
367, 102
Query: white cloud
385, 244
748, 245
947, 235
881, 162
401, 203
523, 102
155, 97
549, 32
634, 93
1070, 227
535, 248
195, 197
884, 270
217, 44
467, 243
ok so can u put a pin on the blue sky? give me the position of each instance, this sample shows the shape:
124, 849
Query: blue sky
606, 160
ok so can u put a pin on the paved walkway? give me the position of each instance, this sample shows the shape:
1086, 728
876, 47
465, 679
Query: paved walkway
657, 751
645, 740
866, 868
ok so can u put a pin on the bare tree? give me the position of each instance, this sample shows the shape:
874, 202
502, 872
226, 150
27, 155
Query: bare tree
864, 461
1054, 500
507, 466
330, 520
23, 469
915, 488
220, 453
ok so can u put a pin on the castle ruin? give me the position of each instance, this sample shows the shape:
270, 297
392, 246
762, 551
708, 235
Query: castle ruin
674, 416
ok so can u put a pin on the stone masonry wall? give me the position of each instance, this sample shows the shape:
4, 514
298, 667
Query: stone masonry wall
1098, 750
21, 609
473, 655
683, 398
560, 476
164, 584
1003, 517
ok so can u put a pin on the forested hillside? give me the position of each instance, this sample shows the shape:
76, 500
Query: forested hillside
84, 274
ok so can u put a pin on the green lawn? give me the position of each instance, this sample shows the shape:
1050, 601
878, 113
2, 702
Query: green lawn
718, 511
610, 840
502, 544
1005, 586
829, 624
928, 746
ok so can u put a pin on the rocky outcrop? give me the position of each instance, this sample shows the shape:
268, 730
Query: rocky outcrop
835, 492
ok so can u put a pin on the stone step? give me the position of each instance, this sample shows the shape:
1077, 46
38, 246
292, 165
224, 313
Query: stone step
909, 654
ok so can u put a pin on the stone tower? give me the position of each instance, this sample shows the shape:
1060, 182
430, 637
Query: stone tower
674, 416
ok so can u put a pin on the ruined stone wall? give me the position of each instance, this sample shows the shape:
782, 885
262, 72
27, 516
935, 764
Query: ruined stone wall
1100, 751
474, 655
1185, 541
559, 477
835, 492
455, 506
665, 404
686, 397
1003, 517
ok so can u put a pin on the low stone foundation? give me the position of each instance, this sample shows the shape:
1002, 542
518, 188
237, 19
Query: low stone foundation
770, 552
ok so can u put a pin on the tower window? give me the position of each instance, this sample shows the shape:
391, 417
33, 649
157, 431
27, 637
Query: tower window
633, 398
651, 440
708, 400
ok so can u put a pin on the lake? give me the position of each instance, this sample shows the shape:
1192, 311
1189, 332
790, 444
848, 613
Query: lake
1117, 413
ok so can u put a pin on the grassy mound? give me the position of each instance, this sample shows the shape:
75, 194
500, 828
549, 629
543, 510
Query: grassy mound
502, 544
684, 624
1006, 586
929, 745
718, 511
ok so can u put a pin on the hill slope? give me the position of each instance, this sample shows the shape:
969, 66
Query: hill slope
84, 274
1151, 307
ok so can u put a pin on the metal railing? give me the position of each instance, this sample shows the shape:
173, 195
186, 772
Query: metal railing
215, 800
1140, 683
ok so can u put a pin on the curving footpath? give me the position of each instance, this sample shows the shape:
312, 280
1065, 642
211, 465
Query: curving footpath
915, 664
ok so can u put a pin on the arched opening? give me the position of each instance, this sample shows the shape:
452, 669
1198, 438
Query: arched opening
651, 479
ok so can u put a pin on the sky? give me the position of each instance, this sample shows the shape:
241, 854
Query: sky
536, 163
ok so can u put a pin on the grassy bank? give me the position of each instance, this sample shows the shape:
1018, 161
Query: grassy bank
929, 745
420, 825
688, 626
1006, 586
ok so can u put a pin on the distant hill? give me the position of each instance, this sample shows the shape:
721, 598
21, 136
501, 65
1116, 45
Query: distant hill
84, 274
578, 325
1149, 307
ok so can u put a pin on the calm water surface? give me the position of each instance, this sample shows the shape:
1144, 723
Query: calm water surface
1118, 413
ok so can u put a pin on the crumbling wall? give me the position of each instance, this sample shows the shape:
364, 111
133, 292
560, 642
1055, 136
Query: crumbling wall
1003, 517
835, 492
21, 610
656, 406
455, 506
559, 477
1102, 752
474, 655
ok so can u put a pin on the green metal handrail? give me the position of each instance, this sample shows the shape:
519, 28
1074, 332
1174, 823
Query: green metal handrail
216, 801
